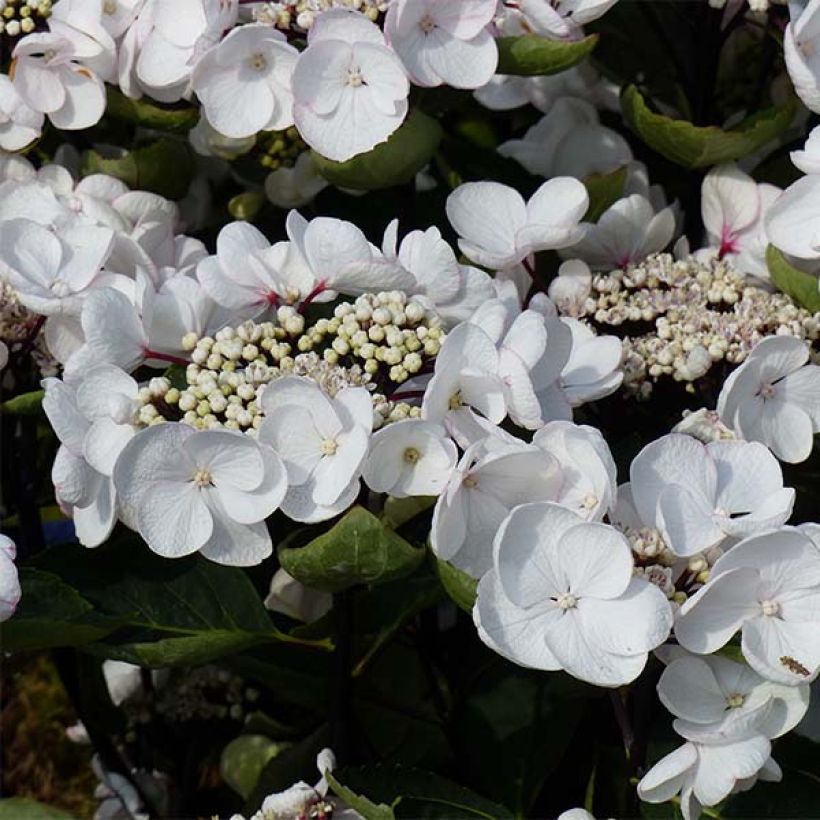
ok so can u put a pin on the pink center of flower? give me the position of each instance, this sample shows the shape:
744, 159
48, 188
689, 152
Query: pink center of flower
767, 390
427, 23
728, 242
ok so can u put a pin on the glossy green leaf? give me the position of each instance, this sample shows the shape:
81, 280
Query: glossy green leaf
702, 146
408, 792
184, 612
150, 114
394, 162
359, 803
531, 55
26, 404
51, 614
604, 190
243, 760
359, 549
804, 288
164, 167
459, 586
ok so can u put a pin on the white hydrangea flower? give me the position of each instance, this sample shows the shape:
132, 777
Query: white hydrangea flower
206, 491
244, 82
733, 208
569, 141
698, 495
322, 442
349, 89
774, 398
705, 774
801, 40
51, 273
295, 187
455, 291
626, 233
497, 229
10, 590
51, 81
561, 595
716, 699
465, 375
491, 478
89, 493
444, 43
20, 124
410, 457
590, 475
768, 587
791, 220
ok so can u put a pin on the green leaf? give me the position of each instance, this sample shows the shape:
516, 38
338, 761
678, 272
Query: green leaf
24, 808
415, 793
398, 511
394, 162
532, 56
150, 114
528, 719
26, 404
359, 803
359, 549
459, 586
243, 760
604, 190
702, 146
164, 167
184, 612
51, 614
802, 287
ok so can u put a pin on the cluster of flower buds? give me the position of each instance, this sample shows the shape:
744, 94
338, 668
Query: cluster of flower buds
22, 16
394, 337
299, 15
701, 311
378, 341
280, 149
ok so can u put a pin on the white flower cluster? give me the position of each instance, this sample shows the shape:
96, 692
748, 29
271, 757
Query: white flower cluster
700, 311
346, 92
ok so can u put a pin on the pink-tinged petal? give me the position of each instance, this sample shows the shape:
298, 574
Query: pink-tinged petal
729, 203
708, 619
516, 634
